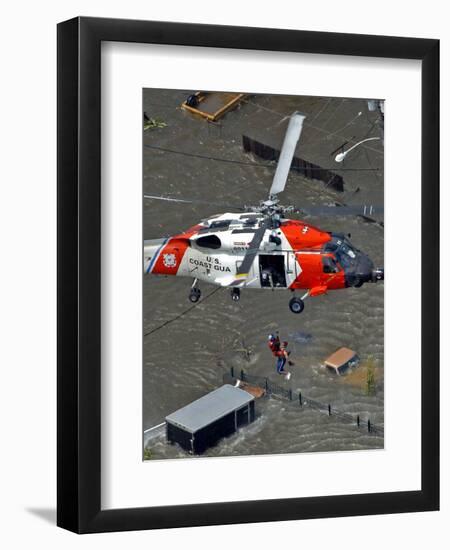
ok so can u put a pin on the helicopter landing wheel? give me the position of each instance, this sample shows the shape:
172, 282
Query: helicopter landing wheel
195, 294
296, 305
235, 294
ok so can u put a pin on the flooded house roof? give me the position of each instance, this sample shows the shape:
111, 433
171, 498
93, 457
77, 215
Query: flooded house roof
340, 357
209, 408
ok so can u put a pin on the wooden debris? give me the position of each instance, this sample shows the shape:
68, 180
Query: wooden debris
212, 105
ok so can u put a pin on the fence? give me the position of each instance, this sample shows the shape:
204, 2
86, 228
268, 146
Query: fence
307, 169
303, 401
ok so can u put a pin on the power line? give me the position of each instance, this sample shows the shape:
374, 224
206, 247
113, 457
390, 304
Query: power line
206, 157
246, 163
310, 125
183, 313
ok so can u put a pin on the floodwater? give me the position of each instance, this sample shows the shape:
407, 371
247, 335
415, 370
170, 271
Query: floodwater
188, 349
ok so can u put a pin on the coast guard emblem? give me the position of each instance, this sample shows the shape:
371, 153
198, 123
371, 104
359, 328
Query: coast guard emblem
169, 260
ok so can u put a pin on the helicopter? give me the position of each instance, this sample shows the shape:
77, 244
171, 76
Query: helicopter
260, 248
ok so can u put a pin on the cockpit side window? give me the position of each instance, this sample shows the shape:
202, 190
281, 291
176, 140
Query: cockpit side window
329, 265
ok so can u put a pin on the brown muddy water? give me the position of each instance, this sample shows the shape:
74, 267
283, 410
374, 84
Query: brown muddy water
187, 357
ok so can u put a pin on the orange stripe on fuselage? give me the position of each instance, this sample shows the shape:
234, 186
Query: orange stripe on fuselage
307, 242
171, 255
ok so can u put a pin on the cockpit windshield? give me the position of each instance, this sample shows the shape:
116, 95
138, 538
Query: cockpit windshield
343, 249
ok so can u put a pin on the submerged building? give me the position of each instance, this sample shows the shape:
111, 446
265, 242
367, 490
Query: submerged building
202, 423
342, 360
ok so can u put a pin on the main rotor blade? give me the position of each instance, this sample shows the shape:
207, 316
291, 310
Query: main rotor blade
252, 250
368, 210
287, 153
192, 201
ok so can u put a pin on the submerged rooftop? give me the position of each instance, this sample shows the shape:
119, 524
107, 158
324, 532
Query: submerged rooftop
209, 408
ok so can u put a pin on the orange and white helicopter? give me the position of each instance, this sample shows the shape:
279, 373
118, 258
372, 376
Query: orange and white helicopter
259, 248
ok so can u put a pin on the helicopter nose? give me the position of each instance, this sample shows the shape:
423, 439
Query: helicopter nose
362, 271
378, 275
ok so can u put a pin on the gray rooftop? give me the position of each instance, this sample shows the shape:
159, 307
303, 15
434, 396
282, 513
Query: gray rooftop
210, 407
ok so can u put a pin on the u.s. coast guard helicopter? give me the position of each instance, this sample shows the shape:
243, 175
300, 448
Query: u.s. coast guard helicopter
259, 248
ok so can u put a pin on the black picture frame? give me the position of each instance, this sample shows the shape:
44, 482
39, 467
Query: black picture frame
79, 281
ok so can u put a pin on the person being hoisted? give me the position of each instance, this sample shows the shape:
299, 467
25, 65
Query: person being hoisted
280, 351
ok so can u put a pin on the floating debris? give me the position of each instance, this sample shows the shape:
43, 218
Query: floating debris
151, 123
212, 105
147, 454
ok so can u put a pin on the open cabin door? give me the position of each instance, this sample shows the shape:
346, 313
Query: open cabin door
272, 270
